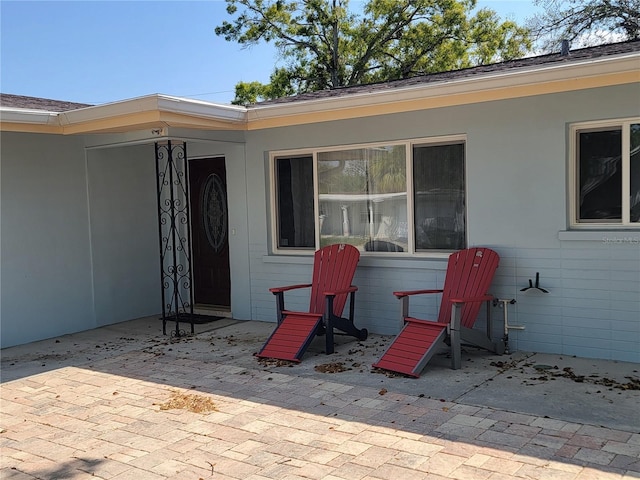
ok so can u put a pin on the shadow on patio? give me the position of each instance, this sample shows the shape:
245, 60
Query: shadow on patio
98, 396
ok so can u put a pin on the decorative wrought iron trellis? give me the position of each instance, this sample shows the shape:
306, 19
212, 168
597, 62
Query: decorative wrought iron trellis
174, 234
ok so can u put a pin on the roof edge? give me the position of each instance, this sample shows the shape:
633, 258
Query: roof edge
155, 102
28, 116
511, 78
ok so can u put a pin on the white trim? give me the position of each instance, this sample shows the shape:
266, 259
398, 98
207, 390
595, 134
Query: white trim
274, 203
150, 103
626, 173
23, 115
316, 198
435, 261
411, 223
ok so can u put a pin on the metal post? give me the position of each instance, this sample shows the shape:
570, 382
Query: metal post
159, 186
174, 234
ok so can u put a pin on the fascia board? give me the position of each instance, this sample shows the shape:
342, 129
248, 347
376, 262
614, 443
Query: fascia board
151, 103
229, 113
33, 117
500, 80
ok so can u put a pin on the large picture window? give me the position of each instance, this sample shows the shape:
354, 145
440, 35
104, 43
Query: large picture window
397, 197
606, 174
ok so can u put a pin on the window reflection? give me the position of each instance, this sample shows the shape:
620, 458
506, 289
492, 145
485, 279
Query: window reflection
362, 198
600, 175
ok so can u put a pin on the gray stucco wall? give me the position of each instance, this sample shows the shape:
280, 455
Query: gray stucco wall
46, 286
516, 160
124, 233
79, 231
79, 236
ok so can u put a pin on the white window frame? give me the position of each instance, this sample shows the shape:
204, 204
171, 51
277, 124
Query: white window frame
574, 194
409, 144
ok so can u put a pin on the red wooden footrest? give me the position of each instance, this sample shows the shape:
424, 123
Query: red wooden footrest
291, 338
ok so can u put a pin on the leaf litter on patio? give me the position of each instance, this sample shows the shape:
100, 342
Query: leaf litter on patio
275, 362
188, 401
334, 367
551, 372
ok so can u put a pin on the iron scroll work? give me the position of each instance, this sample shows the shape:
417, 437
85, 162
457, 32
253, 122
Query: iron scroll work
174, 234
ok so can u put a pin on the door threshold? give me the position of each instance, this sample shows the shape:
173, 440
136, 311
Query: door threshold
213, 310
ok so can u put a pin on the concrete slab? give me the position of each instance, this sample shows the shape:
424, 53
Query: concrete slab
596, 392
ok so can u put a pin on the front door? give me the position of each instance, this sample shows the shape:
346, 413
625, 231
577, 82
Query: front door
210, 232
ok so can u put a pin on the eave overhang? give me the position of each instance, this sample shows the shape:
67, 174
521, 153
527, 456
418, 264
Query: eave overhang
539, 80
160, 111
150, 112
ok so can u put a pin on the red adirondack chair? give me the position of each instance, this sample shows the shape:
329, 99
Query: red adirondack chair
469, 275
333, 270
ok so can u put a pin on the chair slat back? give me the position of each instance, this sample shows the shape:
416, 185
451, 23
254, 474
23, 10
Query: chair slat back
469, 274
333, 269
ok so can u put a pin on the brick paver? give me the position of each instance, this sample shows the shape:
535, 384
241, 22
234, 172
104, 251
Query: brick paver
107, 419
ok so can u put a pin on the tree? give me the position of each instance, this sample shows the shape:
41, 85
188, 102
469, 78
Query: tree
585, 22
327, 46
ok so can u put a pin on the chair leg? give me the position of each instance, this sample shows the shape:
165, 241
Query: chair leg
328, 337
454, 335
456, 350
279, 306
328, 325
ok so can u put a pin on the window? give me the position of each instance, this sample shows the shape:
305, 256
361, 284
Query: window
606, 174
438, 178
395, 197
296, 227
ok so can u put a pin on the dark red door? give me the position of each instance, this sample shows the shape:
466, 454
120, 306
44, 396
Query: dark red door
210, 232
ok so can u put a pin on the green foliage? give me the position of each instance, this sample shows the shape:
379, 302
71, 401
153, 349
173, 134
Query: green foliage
585, 22
280, 85
326, 46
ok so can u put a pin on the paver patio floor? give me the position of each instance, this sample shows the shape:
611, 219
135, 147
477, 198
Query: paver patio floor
127, 403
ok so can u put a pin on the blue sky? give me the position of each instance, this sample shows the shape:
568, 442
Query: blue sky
104, 51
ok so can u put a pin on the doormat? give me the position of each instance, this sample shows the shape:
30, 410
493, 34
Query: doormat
196, 318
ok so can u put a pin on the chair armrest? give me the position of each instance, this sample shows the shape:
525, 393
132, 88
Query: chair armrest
352, 288
276, 290
483, 298
414, 292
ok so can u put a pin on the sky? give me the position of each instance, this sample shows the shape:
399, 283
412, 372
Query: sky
105, 51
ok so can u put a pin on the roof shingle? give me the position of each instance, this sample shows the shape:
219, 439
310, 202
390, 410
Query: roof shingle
35, 103
541, 60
